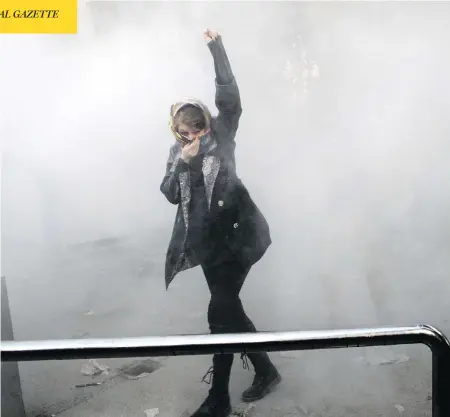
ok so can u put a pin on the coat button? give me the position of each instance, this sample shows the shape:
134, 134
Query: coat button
236, 225
220, 203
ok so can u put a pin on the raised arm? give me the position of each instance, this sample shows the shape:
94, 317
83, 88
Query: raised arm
228, 100
170, 185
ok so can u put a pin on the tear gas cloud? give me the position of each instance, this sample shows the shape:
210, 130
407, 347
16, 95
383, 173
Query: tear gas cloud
352, 174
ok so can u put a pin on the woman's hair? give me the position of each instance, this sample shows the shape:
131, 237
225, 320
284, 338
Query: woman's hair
191, 116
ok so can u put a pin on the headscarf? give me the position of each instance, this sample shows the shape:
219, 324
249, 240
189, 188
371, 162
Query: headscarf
206, 141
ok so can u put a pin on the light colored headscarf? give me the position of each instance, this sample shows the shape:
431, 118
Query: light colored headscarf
175, 108
207, 143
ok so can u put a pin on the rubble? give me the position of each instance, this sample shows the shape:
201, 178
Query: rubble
94, 368
244, 412
152, 412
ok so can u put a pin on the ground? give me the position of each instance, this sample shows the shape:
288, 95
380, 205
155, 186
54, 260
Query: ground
113, 289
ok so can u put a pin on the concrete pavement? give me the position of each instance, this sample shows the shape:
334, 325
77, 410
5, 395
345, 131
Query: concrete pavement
353, 382
106, 293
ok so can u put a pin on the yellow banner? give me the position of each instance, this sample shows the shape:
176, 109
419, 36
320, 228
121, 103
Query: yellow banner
38, 16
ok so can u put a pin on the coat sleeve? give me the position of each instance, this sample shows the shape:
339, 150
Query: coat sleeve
170, 185
228, 100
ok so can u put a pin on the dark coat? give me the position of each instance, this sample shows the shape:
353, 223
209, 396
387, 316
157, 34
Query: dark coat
238, 221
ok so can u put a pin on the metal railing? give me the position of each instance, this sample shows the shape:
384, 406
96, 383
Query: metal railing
248, 342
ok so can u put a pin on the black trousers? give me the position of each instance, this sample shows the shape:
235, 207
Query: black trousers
225, 311
226, 315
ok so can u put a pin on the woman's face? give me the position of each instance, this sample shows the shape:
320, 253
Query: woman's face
190, 133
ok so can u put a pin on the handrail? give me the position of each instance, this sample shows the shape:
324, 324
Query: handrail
247, 342
218, 343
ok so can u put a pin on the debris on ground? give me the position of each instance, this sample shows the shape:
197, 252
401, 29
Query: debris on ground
303, 411
138, 370
89, 370
152, 412
94, 368
383, 361
284, 412
92, 384
400, 408
398, 359
244, 412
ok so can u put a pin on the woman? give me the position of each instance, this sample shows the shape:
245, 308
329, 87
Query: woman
217, 225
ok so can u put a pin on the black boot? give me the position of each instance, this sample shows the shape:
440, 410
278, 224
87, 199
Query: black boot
266, 377
217, 404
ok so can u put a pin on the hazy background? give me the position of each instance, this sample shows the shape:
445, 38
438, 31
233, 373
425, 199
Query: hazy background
343, 143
